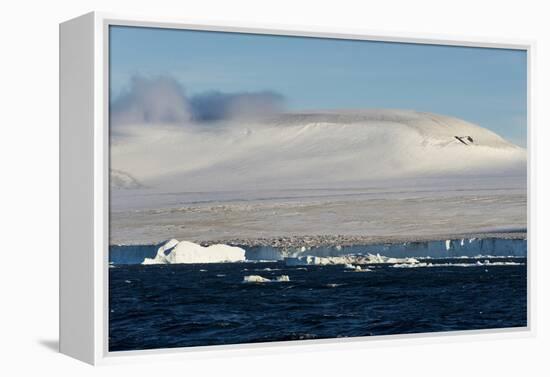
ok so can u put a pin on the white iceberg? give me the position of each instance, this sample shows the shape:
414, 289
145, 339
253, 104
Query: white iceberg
261, 279
255, 279
282, 278
361, 269
174, 252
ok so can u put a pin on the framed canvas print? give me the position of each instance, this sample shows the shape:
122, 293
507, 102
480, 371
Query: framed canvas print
226, 187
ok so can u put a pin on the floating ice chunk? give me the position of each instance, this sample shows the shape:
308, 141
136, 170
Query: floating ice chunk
477, 264
376, 258
400, 260
349, 261
255, 279
261, 279
504, 264
267, 269
282, 278
355, 268
173, 252
411, 265
361, 269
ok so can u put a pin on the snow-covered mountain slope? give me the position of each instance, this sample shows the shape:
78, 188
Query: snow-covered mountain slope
320, 149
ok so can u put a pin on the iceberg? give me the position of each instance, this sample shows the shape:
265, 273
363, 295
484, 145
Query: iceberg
174, 252
255, 279
261, 279
282, 278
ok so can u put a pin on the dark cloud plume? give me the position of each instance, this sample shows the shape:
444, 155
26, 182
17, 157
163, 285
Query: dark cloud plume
162, 100
213, 106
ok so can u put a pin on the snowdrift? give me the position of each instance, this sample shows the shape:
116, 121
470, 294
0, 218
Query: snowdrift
310, 150
173, 252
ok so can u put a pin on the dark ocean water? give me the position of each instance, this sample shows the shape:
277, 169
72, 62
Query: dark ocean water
163, 306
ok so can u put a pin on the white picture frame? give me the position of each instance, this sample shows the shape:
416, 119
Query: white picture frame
84, 191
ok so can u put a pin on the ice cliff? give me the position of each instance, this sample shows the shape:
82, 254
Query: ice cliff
437, 249
188, 252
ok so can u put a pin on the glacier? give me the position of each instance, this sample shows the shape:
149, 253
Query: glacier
450, 248
188, 252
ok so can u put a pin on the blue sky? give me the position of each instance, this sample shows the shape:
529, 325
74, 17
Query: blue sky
484, 86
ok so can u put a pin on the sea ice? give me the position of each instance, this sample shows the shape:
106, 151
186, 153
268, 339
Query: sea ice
349, 261
477, 264
255, 279
282, 278
261, 279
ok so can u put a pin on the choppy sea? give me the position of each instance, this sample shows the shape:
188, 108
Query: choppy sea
164, 306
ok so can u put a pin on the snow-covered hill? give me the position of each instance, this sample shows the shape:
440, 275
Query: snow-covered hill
320, 149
